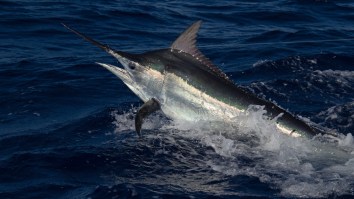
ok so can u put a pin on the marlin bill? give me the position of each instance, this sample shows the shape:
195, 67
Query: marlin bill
185, 85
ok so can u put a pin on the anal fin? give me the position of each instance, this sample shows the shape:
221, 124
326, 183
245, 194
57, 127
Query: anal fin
145, 110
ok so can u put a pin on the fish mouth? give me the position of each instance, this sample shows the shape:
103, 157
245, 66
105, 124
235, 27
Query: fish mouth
119, 72
127, 79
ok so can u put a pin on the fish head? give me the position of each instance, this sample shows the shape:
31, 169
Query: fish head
139, 72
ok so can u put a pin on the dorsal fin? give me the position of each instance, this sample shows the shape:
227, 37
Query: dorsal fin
186, 42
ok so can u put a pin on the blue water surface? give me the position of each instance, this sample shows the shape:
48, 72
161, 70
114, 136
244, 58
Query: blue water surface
66, 124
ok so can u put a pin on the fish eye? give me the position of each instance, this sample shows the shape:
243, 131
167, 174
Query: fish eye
131, 65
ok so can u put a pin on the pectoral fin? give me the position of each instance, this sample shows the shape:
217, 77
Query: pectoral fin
145, 110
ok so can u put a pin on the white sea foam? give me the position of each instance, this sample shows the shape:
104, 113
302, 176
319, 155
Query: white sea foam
340, 116
297, 167
260, 62
334, 79
124, 121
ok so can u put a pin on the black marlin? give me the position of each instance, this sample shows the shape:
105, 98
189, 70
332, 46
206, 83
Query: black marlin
186, 85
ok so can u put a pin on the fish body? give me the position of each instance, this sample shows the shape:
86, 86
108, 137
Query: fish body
186, 85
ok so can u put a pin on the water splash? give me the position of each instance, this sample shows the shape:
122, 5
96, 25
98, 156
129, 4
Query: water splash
253, 147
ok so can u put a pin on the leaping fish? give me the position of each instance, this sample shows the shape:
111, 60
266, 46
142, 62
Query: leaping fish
186, 85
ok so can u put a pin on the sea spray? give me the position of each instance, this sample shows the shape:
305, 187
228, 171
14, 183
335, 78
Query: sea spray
253, 147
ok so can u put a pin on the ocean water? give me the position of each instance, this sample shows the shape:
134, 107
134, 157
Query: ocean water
66, 124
